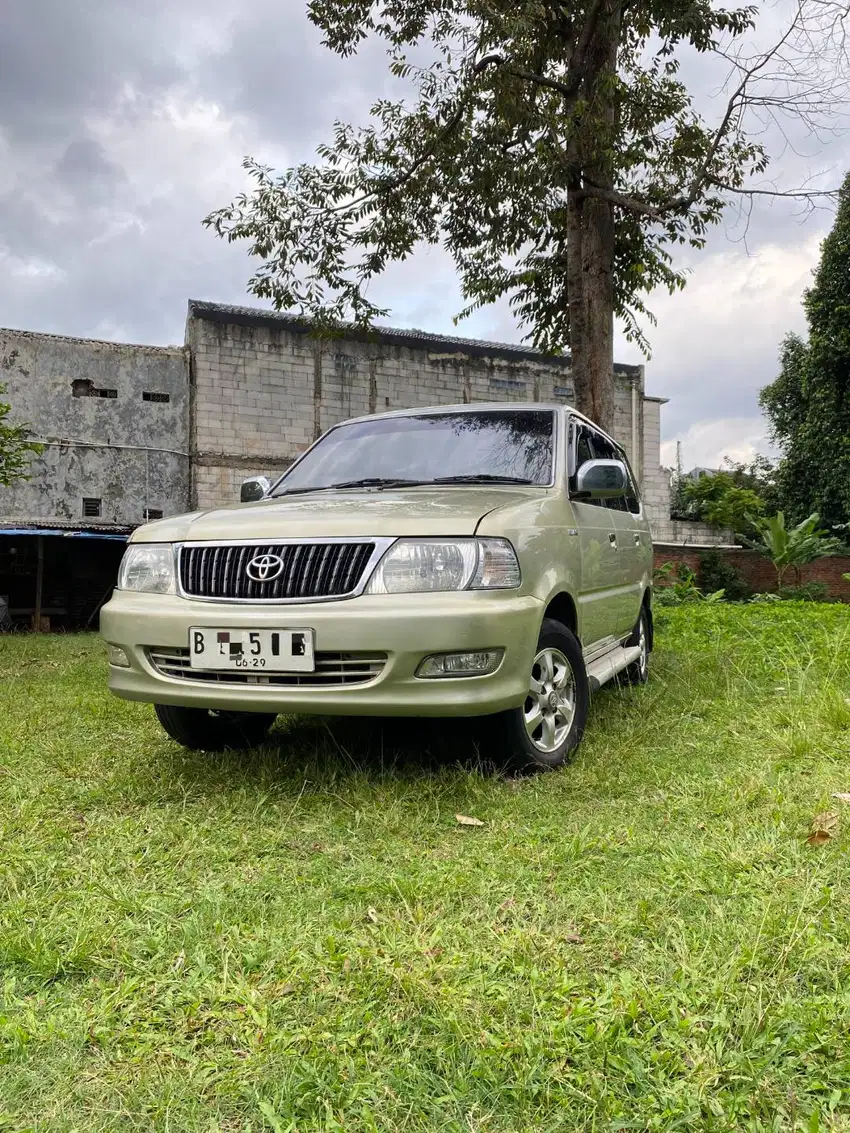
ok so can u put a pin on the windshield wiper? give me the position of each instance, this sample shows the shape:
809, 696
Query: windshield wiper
366, 482
482, 478
398, 482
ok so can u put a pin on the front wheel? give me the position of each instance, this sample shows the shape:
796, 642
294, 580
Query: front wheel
203, 729
547, 728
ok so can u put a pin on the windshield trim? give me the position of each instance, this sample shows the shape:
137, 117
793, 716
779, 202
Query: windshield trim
516, 406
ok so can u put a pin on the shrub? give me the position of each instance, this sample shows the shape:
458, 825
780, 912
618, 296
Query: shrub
683, 590
717, 574
808, 592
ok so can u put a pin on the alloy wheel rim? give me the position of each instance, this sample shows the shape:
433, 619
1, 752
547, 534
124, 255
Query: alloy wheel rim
644, 653
550, 705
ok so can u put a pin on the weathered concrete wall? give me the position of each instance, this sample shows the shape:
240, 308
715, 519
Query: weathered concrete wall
264, 389
104, 439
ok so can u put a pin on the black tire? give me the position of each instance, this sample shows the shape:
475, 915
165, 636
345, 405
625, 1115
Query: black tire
638, 672
202, 729
519, 751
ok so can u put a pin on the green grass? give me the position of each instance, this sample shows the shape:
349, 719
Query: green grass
303, 938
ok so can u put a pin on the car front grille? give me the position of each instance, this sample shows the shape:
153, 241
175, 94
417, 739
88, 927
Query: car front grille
309, 570
332, 669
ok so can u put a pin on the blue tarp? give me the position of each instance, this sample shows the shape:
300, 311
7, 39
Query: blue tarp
64, 534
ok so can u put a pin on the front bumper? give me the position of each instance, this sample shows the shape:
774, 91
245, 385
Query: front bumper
406, 628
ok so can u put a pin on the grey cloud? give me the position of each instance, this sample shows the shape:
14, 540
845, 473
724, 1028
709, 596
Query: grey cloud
60, 60
274, 71
100, 183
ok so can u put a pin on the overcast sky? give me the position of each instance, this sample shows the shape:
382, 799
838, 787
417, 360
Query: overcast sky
123, 124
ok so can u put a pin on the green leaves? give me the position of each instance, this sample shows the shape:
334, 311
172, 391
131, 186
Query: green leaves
808, 405
551, 149
16, 451
793, 547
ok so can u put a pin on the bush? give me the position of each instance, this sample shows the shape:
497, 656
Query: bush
808, 592
717, 574
683, 588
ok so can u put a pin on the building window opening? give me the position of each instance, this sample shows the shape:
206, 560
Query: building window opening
152, 395
153, 513
83, 387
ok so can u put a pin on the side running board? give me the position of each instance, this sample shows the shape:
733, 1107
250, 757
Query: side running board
600, 671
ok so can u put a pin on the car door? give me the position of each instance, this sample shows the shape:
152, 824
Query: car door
634, 545
601, 571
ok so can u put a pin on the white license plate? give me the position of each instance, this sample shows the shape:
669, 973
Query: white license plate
253, 650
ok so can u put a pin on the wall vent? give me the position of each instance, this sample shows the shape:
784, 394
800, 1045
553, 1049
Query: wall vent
507, 383
152, 395
153, 513
91, 507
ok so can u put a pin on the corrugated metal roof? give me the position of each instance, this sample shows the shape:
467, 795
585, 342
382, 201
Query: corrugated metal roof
18, 531
13, 526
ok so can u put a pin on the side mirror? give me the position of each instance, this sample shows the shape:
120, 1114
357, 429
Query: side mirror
254, 489
602, 480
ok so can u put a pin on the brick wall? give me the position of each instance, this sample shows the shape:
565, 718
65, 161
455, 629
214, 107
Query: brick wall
263, 389
758, 571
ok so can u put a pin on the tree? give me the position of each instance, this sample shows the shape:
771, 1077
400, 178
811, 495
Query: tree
792, 548
16, 451
717, 500
550, 147
808, 405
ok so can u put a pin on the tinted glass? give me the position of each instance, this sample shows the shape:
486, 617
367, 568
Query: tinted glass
517, 444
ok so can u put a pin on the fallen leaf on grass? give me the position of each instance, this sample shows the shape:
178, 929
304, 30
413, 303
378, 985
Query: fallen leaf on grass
574, 938
465, 820
842, 796
824, 826
372, 915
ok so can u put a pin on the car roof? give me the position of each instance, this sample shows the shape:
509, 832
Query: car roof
478, 407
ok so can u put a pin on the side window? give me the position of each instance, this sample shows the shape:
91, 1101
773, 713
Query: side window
603, 449
582, 451
588, 444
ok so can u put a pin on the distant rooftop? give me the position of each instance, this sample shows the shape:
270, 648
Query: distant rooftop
423, 340
35, 335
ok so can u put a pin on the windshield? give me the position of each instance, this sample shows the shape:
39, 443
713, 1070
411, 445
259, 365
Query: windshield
491, 444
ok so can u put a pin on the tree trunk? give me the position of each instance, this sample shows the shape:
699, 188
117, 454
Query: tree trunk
575, 297
591, 240
597, 250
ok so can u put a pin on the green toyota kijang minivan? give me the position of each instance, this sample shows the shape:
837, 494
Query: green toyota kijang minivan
476, 560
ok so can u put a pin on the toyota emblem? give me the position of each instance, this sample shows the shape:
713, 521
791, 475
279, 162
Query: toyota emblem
264, 568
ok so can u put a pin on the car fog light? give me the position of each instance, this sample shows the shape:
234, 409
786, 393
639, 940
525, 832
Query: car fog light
117, 657
461, 664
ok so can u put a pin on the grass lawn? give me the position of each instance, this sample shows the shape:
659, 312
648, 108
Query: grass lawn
303, 937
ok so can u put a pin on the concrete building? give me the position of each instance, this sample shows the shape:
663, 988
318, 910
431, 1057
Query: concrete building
264, 389
136, 432
114, 421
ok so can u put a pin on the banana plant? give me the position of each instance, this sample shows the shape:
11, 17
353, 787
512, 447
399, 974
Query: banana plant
791, 548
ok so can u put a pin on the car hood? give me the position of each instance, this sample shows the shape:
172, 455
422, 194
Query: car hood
343, 514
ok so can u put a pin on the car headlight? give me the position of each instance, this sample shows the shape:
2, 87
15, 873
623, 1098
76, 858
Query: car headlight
148, 567
417, 566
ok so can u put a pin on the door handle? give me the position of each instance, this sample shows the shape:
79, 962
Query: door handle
612, 539
637, 539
